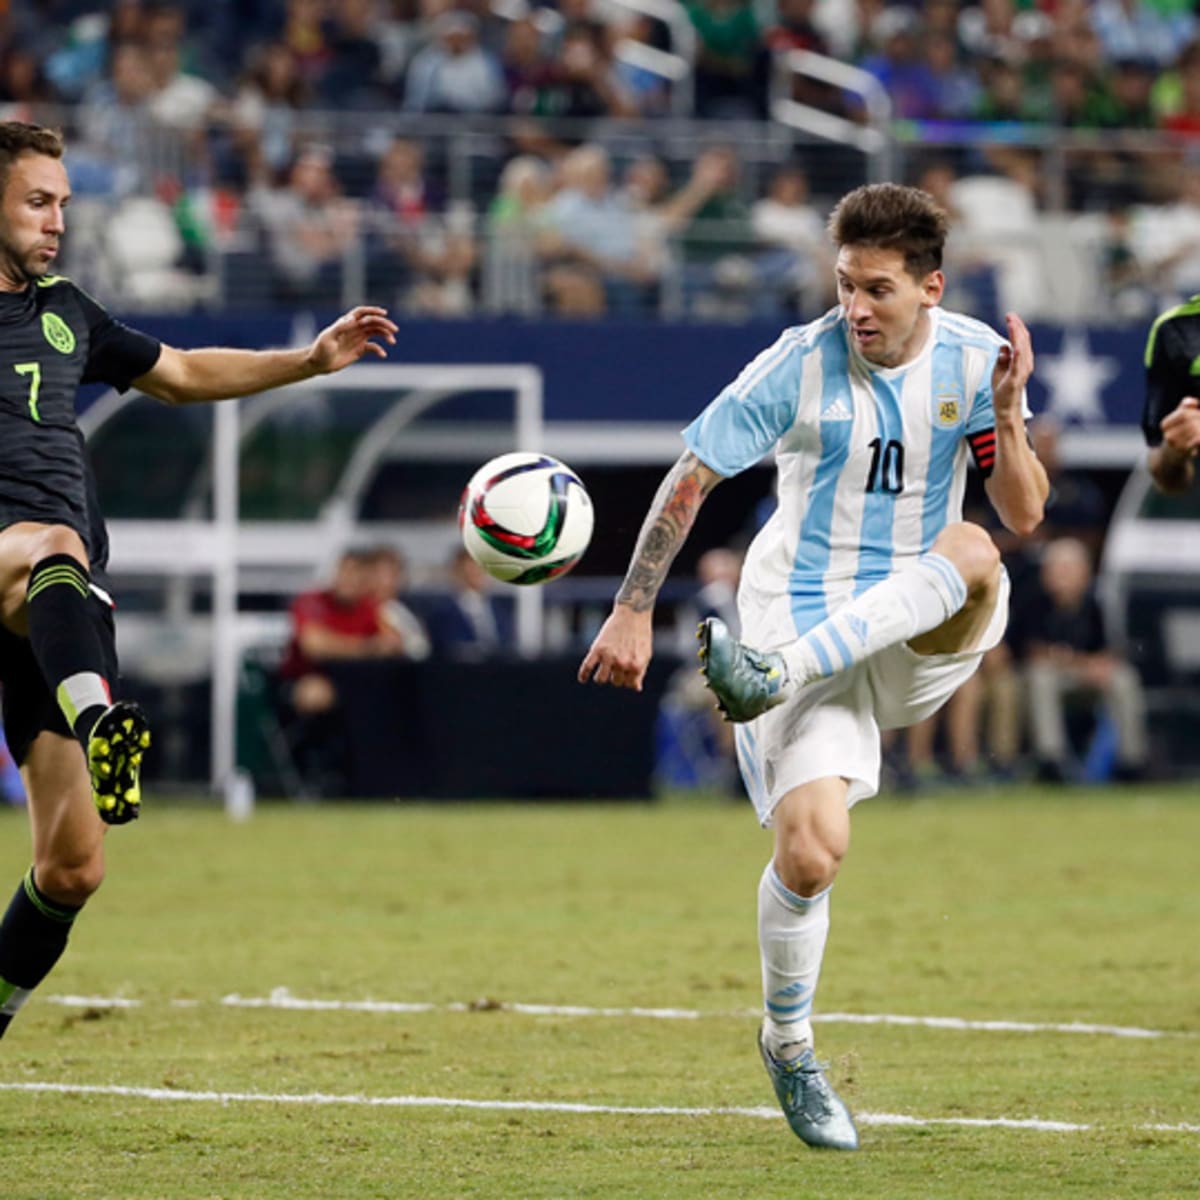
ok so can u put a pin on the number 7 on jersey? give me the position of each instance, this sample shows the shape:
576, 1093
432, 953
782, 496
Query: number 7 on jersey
34, 371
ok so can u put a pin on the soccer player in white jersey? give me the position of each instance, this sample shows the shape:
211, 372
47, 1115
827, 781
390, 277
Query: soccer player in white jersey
869, 600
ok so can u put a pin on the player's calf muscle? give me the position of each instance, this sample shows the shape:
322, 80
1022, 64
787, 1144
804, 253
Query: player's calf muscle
965, 629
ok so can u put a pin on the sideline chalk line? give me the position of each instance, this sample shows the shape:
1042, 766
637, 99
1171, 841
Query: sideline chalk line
548, 1106
282, 998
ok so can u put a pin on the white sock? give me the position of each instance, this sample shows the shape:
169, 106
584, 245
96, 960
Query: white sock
915, 600
791, 939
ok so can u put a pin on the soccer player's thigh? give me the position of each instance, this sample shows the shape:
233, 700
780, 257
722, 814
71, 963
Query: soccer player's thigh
910, 687
827, 732
68, 834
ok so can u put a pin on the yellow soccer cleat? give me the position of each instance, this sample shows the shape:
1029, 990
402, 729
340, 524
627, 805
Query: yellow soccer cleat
115, 748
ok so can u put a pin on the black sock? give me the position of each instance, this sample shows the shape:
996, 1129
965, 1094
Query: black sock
67, 641
33, 935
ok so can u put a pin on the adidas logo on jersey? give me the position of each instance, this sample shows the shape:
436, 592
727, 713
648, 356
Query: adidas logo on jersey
837, 411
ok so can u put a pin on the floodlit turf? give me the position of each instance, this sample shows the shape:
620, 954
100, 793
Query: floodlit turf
1026, 906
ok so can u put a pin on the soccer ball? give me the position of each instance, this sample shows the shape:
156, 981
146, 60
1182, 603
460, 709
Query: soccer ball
525, 518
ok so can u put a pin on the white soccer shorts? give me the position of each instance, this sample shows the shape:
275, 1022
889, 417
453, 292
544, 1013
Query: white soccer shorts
832, 727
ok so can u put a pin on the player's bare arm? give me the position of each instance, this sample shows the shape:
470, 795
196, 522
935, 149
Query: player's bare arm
1018, 485
667, 525
1172, 465
195, 376
621, 652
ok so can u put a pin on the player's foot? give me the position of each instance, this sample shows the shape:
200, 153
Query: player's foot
816, 1113
745, 682
114, 753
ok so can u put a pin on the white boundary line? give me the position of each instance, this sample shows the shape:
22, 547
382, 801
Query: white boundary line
282, 998
549, 1106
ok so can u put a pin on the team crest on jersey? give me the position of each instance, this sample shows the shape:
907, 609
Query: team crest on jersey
947, 411
58, 333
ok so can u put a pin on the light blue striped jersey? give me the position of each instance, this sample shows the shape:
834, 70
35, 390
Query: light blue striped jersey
872, 461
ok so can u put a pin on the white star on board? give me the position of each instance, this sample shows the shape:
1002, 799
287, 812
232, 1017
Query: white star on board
1075, 378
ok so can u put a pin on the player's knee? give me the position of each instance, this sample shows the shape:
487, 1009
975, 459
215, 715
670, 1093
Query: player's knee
70, 882
806, 862
62, 539
54, 540
48, 541
970, 548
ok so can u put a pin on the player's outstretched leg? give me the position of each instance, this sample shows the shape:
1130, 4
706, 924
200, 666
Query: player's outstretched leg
745, 682
919, 597
816, 1113
114, 753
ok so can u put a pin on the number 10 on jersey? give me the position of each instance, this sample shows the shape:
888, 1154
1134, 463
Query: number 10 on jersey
886, 472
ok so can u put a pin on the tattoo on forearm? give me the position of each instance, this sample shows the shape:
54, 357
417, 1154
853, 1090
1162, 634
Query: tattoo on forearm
663, 532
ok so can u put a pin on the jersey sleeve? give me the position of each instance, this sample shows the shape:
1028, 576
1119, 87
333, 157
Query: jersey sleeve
1168, 379
750, 415
117, 355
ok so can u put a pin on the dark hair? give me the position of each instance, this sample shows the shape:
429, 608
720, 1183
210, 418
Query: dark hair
386, 552
892, 217
19, 137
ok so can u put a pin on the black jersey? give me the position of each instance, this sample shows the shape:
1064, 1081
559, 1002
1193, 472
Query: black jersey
1172, 365
53, 338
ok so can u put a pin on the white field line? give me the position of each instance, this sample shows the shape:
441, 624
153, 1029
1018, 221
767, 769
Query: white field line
547, 1106
282, 998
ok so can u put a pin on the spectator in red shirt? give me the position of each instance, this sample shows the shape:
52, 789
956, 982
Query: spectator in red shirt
341, 621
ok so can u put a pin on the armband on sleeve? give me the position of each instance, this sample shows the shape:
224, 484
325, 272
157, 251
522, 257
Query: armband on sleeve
983, 449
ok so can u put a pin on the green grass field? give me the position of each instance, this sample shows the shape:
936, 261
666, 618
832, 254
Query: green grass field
1020, 906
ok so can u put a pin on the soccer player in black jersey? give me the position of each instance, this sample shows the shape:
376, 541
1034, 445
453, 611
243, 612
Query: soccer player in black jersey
1171, 415
79, 751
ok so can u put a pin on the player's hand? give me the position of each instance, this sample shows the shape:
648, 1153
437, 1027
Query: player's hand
1181, 428
622, 649
1014, 366
350, 337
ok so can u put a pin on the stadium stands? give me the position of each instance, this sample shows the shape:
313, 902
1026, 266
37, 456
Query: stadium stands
1083, 114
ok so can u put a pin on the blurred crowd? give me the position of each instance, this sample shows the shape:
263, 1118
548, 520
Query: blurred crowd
1102, 64
326, 138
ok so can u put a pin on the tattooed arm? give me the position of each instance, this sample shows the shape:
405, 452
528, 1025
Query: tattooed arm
621, 652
